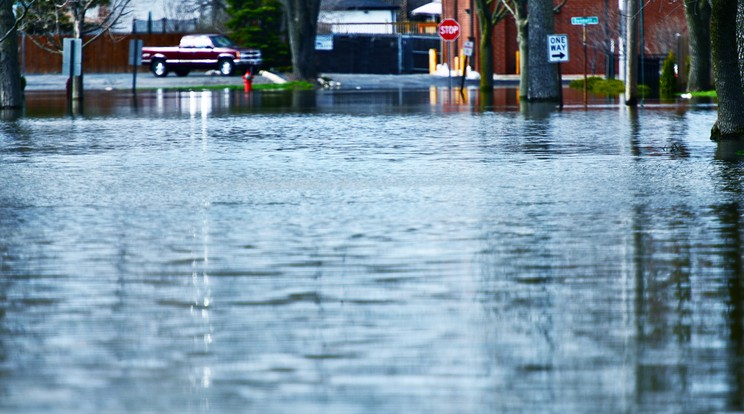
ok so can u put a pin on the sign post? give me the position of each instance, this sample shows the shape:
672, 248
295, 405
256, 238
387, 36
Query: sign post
449, 31
557, 53
135, 59
584, 21
72, 66
467, 50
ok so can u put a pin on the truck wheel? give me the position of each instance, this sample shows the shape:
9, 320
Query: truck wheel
226, 67
159, 68
182, 72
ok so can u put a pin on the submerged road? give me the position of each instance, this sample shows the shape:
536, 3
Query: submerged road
123, 81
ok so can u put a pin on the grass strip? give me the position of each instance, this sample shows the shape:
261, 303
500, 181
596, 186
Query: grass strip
705, 94
289, 86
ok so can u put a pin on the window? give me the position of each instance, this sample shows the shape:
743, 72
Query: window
222, 41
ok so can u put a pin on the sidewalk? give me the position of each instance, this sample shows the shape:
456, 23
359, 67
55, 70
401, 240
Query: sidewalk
354, 81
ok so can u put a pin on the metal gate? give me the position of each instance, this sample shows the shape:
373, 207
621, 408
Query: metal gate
415, 52
375, 53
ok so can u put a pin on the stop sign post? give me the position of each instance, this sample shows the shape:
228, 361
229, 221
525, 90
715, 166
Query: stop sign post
449, 31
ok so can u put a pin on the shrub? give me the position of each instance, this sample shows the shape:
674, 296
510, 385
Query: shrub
668, 80
599, 86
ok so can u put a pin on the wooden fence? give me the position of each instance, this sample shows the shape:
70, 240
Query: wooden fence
105, 55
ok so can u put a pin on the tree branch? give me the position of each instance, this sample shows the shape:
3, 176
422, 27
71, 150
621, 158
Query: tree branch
557, 9
18, 20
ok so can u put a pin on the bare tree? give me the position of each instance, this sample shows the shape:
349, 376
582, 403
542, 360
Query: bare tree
212, 14
19, 10
56, 18
602, 38
180, 11
665, 34
518, 10
51, 20
490, 13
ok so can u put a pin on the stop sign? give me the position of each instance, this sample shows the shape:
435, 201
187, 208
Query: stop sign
449, 30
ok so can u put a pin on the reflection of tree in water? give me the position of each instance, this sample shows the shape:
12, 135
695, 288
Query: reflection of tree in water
729, 215
662, 303
652, 141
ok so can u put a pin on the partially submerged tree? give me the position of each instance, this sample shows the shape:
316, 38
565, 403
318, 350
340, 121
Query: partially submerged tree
490, 13
302, 24
542, 76
727, 47
697, 13
518, 10
12, 14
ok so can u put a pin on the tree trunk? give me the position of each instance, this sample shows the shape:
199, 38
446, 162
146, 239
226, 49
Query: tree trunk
486, 61
631, 53
486, 45
11, 95
78, 16
522, 23
543, 76
727, 47
697, 13
302, 22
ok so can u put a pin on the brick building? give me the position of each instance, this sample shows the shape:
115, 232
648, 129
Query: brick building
663, 29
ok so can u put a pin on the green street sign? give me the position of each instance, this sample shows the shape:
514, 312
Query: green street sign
580, 21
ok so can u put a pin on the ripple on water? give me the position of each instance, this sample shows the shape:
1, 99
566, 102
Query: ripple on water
197, 255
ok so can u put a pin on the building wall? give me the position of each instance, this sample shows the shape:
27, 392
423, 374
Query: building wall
352, 21
662, 21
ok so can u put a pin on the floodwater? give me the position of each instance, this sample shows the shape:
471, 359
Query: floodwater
367, 252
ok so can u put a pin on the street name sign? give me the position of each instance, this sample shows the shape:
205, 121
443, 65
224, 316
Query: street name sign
557, 48
583, 21
449, 30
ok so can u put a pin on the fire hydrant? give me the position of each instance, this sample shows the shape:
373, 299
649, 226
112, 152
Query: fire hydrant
248, 81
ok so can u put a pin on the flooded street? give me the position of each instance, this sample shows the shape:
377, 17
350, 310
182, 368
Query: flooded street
367, 252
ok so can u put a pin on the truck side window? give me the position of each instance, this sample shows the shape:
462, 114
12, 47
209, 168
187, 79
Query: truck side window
222, 41
203, 42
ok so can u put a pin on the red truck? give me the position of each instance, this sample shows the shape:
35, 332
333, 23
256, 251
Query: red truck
201, 52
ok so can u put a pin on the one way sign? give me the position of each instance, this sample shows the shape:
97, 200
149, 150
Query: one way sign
557, 48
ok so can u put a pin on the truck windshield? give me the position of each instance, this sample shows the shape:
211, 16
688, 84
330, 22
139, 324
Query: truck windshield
222, 41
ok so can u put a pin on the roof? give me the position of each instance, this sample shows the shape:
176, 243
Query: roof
434, 8
355, 5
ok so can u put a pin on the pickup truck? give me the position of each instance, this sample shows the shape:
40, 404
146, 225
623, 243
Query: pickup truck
201, 52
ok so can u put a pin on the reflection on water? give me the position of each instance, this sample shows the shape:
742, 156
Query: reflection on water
372, 252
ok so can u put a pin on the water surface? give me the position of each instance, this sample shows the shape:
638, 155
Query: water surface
388, 251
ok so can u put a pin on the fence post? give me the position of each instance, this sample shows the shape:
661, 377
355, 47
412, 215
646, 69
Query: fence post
432, 61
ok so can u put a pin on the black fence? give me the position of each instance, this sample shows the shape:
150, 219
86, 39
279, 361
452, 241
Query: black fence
164, 25
649, 72
378, 54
